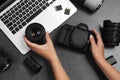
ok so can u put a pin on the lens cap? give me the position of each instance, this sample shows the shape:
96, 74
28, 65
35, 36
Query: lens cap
35, 33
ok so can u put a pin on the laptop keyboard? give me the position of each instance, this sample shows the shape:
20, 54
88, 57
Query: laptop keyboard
23, 12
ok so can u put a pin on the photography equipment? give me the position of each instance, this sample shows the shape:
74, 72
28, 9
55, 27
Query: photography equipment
5, 60
76, 37
32, 64
36, 33
93, 5
111, 33
111, 60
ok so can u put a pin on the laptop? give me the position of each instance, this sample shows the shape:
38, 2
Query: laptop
16, 15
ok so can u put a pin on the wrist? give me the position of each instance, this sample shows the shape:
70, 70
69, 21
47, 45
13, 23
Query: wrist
99, 58
100, 61
53, 58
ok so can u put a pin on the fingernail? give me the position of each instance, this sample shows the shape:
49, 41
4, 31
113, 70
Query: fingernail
91, 36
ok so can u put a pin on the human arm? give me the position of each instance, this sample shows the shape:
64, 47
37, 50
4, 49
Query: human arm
97, 49
48, 52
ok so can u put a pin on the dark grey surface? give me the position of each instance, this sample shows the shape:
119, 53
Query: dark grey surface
79, 66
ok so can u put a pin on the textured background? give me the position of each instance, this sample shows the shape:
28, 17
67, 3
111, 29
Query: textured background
79, 66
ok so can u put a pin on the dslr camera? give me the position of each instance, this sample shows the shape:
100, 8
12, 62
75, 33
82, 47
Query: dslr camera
75, 36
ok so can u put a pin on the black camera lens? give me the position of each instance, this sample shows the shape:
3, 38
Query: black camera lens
106, 23
109, 24
5, 60
108, 38
36, 33
111, 44
111, 29
111, 41
111, 33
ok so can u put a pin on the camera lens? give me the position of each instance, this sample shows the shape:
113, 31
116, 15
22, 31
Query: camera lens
93, 5
5, 60
109, 24
36, 33
111, 44
111, 40
111, 33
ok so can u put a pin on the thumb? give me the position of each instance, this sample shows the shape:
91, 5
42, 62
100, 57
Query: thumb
92, 41
30, 44
48, 38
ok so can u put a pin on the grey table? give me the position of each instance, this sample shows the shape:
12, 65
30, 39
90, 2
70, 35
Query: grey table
79, 66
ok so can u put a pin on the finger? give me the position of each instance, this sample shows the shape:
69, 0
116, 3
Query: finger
92, 41
30, 44
99, 39
48, 38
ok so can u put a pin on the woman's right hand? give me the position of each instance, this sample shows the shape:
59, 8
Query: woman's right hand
47, 50
97, 48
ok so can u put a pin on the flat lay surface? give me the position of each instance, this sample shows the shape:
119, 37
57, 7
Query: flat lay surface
79, 66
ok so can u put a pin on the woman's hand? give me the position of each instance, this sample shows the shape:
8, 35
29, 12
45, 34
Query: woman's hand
97, 48
47, 50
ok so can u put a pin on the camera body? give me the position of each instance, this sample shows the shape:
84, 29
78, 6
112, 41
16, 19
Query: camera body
75, 37
111, 33
92, 5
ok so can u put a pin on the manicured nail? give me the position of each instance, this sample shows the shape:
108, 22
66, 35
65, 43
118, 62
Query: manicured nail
91, 36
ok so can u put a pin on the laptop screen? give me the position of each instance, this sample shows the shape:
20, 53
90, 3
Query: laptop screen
5, 3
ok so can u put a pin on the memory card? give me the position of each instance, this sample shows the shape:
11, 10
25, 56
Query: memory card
58, 8
111, 59
67, 11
